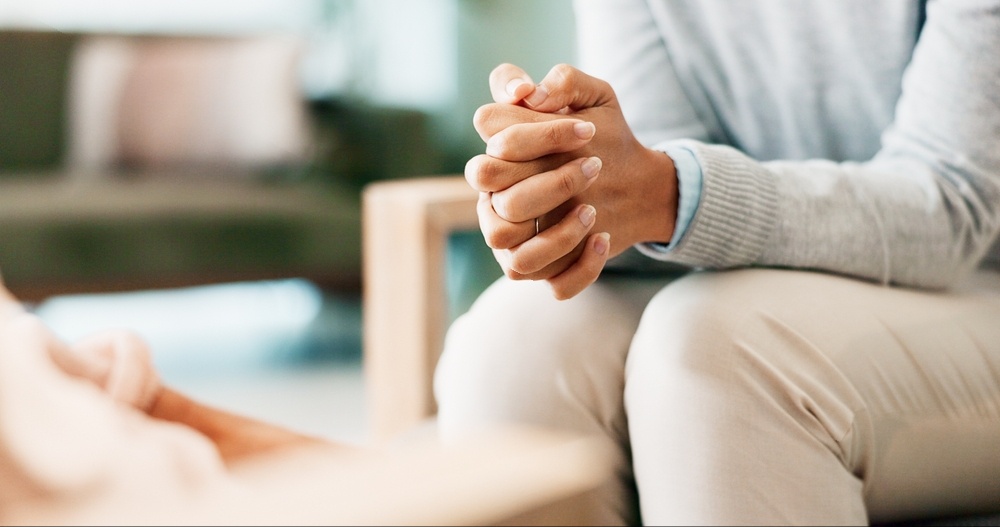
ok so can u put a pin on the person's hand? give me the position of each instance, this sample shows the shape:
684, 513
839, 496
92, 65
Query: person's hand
65, 442
118, 362
121, 364
561, 152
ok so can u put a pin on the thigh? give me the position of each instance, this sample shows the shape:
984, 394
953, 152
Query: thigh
919, 371
788, 396
927, 366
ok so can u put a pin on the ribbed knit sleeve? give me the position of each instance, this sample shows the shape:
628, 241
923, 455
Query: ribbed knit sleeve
736, 214
922, 210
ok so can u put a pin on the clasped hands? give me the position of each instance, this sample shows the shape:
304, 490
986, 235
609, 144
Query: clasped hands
561, 158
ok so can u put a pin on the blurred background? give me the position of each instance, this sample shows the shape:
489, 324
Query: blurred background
192, 169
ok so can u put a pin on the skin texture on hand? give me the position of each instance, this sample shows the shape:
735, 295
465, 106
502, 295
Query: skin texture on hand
562, 152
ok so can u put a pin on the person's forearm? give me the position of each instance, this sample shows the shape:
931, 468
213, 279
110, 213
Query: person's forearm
235, 436
890, 220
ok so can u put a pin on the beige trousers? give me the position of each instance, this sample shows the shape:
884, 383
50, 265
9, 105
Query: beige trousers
749, 397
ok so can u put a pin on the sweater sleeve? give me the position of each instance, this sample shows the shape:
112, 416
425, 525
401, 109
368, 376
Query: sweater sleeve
630, 54
922, 212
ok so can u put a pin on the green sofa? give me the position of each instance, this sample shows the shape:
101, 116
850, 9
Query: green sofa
110, 179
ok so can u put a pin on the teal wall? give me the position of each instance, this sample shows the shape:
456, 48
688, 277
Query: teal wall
435, 56
532, 34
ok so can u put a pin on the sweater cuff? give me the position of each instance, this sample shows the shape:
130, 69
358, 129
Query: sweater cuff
688, 189
736, 214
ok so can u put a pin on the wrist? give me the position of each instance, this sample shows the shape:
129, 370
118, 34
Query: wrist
660, 198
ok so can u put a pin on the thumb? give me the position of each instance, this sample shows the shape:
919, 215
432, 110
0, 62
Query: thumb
568, 87
509, 84
129, 375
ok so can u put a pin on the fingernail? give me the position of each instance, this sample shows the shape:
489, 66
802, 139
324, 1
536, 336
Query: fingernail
591, 167
586, 215
537, 97
513, 85
584, 130
602, 243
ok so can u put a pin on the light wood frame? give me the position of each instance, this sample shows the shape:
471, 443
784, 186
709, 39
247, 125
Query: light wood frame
405, 229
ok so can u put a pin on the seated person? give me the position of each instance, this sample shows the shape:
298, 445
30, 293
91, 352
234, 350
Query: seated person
830, 173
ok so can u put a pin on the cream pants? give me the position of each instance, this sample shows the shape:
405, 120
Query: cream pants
748, 397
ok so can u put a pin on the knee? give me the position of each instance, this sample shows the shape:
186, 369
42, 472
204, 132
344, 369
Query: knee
691, 323
495, 354
490, 343
519, 355
716, 328
754, 335
730, 350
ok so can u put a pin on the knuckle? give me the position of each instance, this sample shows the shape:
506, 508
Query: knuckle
560, 292
472, 172
497, 238
521, 263
495, 75
605, 86
565, 184
493, 239
484, 116
482, 173
570, 238
489, 175
564, 73
552, 134
500, 145
506, 208
513, 275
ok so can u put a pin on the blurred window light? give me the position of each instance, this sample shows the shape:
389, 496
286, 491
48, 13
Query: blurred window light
218, 324
410, 51
392, 52
160, 16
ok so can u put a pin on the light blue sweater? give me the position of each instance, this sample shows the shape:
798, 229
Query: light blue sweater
853, 136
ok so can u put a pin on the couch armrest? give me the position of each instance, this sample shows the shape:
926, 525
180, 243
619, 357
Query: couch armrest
406, 225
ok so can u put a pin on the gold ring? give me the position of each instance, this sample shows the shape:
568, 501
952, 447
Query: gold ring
537, 230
